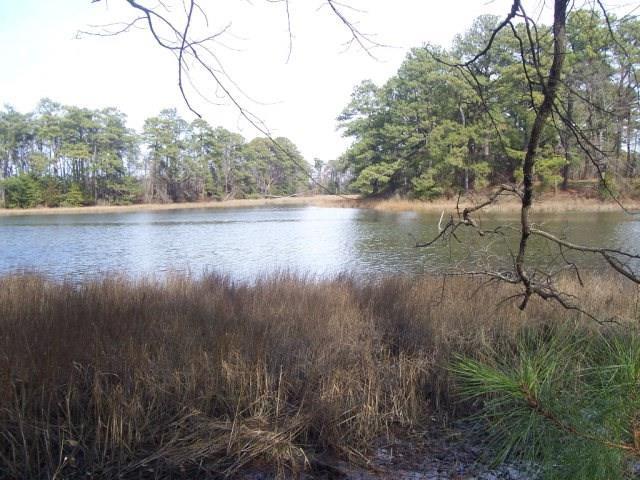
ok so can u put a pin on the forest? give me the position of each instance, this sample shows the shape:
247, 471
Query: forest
69, 156
430, 130
434, 129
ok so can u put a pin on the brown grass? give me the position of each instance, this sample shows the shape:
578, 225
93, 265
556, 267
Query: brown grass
183, 377
548, 203
319, 200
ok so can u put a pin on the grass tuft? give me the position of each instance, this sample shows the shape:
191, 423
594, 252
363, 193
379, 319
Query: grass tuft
181, 377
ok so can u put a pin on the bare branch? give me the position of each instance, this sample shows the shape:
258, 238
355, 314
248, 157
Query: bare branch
512, 14
364, 41
611, 255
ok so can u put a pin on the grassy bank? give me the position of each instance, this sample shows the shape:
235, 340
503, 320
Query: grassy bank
319, 200
147, 379
547, 204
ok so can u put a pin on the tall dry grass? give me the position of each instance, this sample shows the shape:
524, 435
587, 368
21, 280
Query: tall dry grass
547, 203
302, 200
181, 377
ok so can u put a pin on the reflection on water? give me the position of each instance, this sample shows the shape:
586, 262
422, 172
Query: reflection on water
245, 243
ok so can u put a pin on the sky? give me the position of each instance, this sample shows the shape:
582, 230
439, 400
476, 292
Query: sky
41, 56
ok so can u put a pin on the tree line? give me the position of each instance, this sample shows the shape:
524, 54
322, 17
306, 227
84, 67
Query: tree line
431, 129
61, 155
434, 128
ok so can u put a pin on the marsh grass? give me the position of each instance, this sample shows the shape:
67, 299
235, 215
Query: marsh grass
547, 203
162, 379
319, 200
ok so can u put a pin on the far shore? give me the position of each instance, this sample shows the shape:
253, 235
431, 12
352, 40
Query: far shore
546, 204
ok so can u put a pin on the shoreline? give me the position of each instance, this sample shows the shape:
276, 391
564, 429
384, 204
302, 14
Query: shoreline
549, 204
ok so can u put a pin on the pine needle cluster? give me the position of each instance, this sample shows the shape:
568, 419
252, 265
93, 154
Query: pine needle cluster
564, 400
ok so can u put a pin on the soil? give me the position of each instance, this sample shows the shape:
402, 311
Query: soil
455, 454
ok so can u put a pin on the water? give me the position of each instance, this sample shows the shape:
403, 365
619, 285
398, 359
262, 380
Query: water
248, 242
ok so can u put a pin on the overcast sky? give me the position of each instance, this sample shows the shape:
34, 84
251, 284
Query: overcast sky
299, 99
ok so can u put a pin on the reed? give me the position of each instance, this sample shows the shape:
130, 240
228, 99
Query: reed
548, 203
143, 378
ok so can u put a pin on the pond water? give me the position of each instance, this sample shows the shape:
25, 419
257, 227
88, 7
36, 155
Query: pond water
248, 242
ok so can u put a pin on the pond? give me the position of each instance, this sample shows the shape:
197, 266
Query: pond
248, 242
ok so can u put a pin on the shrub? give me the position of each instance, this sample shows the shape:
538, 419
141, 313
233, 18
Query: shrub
74, 197
425, 186
124, 191
51, 191
22, 191
608, 187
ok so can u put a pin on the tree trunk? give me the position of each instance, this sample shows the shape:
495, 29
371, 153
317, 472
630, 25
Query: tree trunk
630, 163
2, 199
550, 91
566, 141
463, 119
